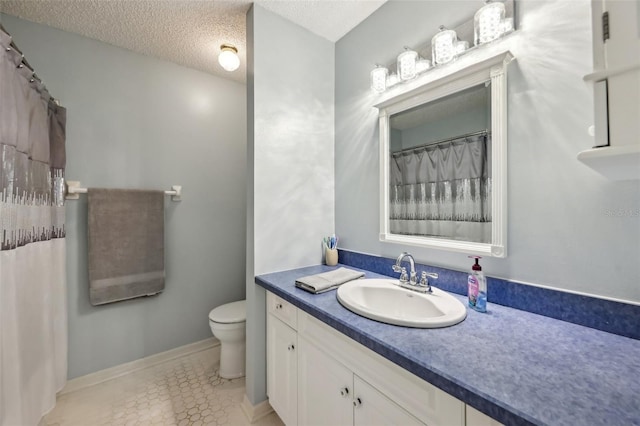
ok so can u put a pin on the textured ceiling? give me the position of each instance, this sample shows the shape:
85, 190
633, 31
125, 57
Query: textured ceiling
187, 32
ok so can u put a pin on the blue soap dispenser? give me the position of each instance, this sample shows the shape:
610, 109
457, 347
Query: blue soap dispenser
477, 287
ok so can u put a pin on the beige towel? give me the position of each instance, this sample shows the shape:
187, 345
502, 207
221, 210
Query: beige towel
327, 280
126, 244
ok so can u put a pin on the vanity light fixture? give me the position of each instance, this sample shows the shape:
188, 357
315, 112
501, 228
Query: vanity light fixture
407, 64
228, 58
492, 21
379, 79
489, 22
443, 46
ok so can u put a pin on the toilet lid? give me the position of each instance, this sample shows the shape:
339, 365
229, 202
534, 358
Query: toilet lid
229, 313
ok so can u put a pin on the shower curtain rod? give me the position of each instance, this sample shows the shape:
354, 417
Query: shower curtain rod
441, 142
14, 47
74, 190
25, 63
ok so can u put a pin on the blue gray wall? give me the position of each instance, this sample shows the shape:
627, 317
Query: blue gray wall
138, 122
290, 142
569, 228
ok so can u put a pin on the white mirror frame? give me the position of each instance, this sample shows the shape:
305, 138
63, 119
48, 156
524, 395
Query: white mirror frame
452, 78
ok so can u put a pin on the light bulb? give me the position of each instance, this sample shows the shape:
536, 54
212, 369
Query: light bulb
422, 65
392, 80
507, 25
461, 46
228, 58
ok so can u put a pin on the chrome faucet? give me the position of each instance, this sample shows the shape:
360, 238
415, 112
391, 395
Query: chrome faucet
411, 282
403, 271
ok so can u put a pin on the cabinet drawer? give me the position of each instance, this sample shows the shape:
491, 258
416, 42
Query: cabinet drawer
283, 310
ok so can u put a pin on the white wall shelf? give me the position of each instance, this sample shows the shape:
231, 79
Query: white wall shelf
614, 162
599, 75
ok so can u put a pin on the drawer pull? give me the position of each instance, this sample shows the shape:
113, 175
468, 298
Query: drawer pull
344, 392
357, 402
291, 347
279, 306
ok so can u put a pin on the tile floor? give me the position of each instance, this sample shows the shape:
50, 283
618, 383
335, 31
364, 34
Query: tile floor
184, 391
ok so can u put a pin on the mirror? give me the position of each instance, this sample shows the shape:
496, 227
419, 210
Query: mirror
439, 170
443, 161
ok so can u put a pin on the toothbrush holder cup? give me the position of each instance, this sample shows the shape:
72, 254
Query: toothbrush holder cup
331, 257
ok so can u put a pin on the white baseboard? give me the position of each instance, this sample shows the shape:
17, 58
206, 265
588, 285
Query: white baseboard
255, 412
139, 364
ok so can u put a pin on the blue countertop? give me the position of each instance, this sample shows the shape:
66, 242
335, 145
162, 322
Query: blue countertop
515, 366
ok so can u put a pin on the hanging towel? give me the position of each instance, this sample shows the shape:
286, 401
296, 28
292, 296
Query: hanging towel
327, 280
126, 244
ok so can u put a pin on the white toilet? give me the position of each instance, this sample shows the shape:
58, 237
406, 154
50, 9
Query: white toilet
227, 323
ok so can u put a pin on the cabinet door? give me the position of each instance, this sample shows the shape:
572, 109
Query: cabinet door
282, 369
623, 46
325, 388
373, 408
622, 55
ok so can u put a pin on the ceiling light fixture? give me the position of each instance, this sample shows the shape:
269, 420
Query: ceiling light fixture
228, 58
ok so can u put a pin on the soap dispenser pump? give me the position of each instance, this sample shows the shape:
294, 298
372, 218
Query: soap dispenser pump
477, 287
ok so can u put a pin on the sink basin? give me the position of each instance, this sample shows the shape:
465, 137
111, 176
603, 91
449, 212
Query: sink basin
383, 300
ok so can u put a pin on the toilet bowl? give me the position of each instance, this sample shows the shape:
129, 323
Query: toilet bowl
227, 323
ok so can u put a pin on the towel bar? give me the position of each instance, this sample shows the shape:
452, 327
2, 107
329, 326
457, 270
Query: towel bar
73, 191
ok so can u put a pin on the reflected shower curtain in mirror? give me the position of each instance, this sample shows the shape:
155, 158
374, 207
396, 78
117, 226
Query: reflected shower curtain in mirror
33, 315
443, 190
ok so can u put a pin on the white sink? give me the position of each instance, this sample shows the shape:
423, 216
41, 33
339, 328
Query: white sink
383, 300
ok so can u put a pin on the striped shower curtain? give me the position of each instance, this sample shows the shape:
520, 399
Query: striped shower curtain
33, 315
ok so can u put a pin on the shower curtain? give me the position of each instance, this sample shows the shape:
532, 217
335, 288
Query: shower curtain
33, 316
443, 190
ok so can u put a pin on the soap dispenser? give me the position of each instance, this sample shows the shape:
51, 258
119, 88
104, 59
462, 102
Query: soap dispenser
477, 287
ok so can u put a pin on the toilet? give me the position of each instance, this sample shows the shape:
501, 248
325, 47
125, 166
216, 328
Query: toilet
227, 323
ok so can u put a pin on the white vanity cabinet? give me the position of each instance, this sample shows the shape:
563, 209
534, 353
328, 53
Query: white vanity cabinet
328, 378
282, 359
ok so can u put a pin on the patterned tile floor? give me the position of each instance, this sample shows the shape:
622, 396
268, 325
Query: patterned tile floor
184, 391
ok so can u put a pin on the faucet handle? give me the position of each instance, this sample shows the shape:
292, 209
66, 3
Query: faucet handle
424, 281
396, 268
403, 275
